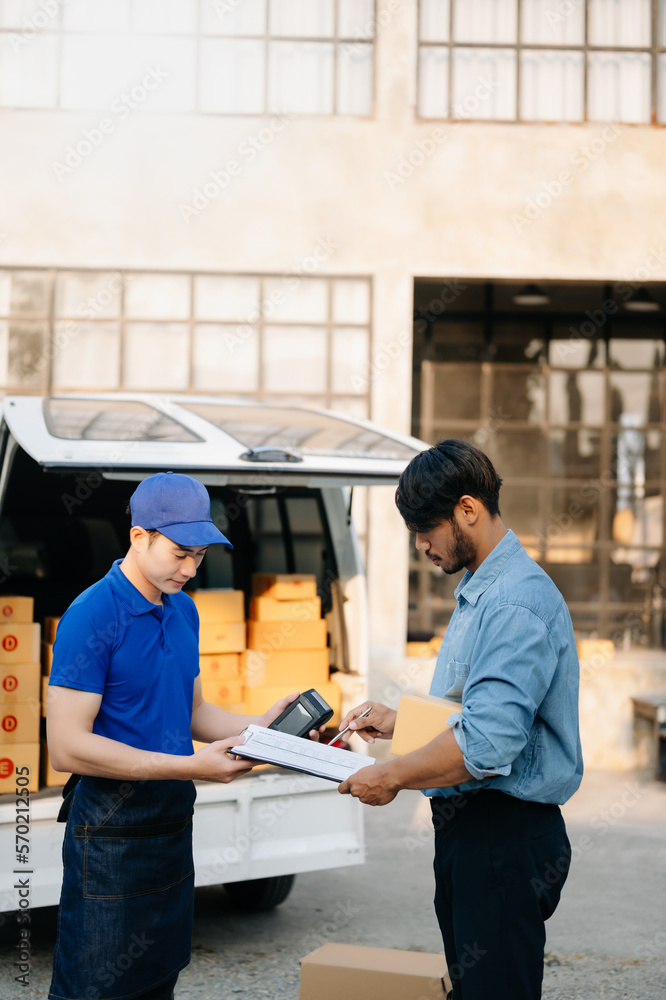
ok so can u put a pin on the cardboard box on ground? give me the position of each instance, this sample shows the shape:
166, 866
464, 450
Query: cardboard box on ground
335, 971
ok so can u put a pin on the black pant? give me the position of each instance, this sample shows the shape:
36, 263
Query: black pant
162, 992
500, 864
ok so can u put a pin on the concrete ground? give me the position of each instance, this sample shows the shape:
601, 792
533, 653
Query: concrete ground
607, 939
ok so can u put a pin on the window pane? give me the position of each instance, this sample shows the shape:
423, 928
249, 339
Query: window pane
226, 298
518, 395
246, 18
30, 291
433, 82
661, 87
168, 17
158, 296
484, 83
636, 353
94, 70
27, 363
354, 81
518, 453
100, 15
551, 85
575, 454
89, 357
647, 442
301, 18
5, 292
635, 397
156, 356
520, 506
457, 392
570, 349
619, 86
349, 359
619, 22
577, 398
351, 301
163, 77
300, 76
88, 293
661, 30
294, 359
356, 19
434, 19
232, 76
226, 358
543, 23
29, 75
484, 20
307, 302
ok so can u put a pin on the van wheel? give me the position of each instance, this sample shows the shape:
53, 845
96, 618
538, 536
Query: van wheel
260, 893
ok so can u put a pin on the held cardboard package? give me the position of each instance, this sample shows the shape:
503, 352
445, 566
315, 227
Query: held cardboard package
335, 971
420, 718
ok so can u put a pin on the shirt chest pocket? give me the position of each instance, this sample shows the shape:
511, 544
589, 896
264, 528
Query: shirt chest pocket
457, 674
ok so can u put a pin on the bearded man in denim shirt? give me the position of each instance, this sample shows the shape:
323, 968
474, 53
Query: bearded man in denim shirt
512, 755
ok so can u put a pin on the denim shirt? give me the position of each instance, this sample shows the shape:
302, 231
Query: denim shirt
509, 656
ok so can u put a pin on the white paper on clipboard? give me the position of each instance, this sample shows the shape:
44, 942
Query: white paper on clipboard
299, 754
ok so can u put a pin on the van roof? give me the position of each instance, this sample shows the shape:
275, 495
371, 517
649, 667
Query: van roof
243, 441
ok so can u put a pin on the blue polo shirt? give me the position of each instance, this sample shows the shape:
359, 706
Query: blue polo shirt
141, 657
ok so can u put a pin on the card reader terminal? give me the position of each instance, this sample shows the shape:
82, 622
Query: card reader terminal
308, 711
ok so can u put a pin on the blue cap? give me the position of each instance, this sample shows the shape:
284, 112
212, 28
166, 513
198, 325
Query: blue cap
177, 506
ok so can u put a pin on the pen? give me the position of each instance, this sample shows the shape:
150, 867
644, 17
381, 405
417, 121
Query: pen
338, 735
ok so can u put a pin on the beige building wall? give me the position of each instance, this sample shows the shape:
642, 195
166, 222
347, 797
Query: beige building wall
388, 197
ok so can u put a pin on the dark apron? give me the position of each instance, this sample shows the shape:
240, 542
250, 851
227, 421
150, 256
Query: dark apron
125, 918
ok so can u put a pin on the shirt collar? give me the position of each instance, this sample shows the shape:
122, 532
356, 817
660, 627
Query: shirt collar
130, 598
473, 585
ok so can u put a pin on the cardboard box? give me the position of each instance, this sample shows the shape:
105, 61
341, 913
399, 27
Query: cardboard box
46, 657
284, 586
302, 668
220, 667
16, 609
221, 692
49, 630
221, 637
45, 689
49, 776
420, 719
351, 970
19, 682
267, 609
221, 605
258, 699
19, 643
286, 635
20, 723
18, 756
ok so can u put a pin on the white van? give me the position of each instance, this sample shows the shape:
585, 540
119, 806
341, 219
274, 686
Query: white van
281, 481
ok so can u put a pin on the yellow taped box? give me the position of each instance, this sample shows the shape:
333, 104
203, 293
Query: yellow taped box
16, 609
19, 761
350, 970
220, 667
49, 776
258, 699
47, 657
302, 668
219, 605
19, 643
267, 609
284, 586
19, 682
221, 637
222, 692
419, 720
20, 723
266, 636
50, 628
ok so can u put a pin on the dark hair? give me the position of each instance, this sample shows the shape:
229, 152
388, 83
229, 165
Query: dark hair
434, 481
151, 532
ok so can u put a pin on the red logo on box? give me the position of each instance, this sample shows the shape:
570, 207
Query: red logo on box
10, 642
8, 611
10, 683
6, 767
9, 723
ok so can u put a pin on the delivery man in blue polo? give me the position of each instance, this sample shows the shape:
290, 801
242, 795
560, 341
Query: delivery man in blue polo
124, 704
